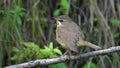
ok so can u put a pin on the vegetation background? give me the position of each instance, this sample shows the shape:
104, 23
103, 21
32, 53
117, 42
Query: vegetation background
28, 33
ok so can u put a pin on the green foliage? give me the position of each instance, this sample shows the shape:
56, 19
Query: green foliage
33, 50
91, 1
12, 19
90, 65
64, 8
10, 31
95, 19
49, 51
115, 22
116, 35
65, 5
1, 57
96, 30
58, 65
75, 1
18, 12
56, 12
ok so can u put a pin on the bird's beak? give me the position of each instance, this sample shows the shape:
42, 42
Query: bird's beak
57, 22
54, 19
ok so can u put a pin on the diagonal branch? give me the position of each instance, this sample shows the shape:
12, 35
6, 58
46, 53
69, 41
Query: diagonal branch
65, 58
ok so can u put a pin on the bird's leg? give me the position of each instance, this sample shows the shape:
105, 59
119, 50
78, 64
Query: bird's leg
70, 63
66, 52
69, 53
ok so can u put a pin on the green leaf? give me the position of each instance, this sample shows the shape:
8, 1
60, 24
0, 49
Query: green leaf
19, 20
50, 52
115, 22
2, 11
27, 52
51, 45
58, 65
45, 52
65, 6
14, 57
91, 1
108, 27
116, 35
91, 65
14, 49
29, 44
18, 33
47, 48
21, 14
56, 50
1, 59
96, 29
75, 1
56, 12
95, 19
12, 11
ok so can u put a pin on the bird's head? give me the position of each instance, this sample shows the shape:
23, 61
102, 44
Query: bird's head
62, 20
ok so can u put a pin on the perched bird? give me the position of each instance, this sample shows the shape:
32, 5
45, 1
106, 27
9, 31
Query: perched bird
69, 35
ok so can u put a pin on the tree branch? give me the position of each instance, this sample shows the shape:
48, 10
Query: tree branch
66, 57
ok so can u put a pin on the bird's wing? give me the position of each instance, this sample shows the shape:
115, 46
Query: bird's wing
78, 31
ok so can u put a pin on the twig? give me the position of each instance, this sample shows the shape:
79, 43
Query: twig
65, 58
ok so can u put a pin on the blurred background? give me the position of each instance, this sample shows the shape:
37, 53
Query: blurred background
27, 31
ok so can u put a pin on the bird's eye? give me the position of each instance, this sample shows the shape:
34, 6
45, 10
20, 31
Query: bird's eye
61, 20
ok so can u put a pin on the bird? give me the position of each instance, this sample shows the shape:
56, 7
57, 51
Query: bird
69, 35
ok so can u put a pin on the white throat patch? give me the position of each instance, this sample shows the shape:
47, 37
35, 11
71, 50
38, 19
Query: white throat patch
59, 23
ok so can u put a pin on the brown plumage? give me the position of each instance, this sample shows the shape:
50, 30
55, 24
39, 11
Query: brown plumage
69, 35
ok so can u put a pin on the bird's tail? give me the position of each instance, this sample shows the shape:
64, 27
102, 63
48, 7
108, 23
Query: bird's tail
86, 43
